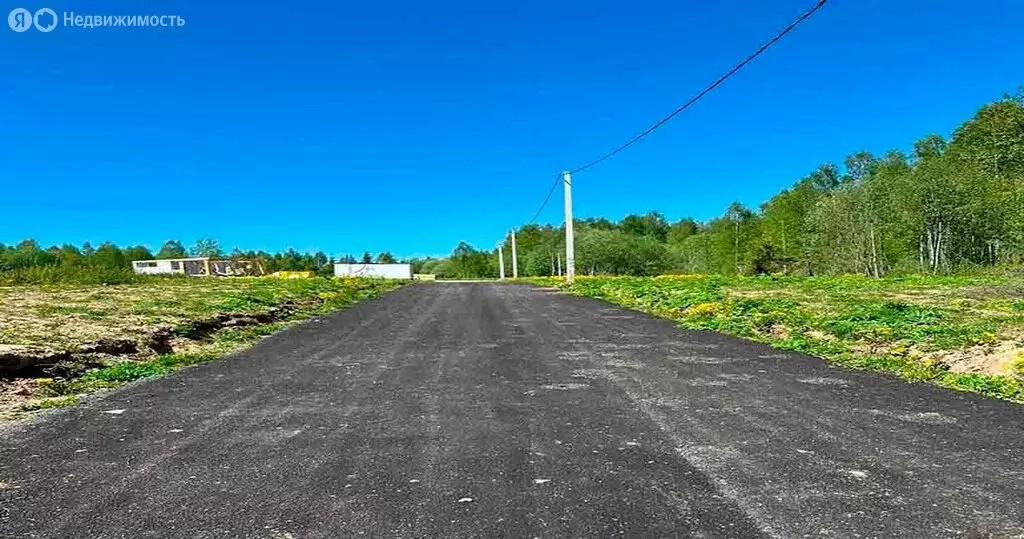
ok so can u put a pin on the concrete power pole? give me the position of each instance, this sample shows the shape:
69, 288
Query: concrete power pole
501, 262
515, 263
570, 251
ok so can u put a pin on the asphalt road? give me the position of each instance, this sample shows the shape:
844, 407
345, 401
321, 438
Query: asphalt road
487, 410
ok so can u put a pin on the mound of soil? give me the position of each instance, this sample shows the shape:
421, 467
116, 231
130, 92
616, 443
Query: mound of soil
28, 361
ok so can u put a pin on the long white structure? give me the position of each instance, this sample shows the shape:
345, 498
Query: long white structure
168, 267
199, 267
386, 271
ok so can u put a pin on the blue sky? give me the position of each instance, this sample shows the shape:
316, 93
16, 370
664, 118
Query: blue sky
408, 126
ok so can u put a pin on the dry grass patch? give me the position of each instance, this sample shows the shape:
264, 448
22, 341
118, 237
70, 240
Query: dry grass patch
50, 336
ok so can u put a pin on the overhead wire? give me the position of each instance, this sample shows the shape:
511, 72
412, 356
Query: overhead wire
706, 90
554, 185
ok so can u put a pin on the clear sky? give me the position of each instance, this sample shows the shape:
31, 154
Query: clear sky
408, 126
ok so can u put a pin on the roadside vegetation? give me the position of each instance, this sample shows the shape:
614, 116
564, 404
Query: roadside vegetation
30, 263
963, 333
61, 341
938, 206
911, 262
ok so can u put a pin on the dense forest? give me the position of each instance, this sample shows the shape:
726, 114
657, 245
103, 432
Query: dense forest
947, 206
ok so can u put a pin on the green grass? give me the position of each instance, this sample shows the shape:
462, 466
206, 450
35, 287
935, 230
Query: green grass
49, 403
899, 325
224, 342
128, 371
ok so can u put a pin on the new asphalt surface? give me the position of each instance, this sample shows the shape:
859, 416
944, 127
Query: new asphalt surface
502, 410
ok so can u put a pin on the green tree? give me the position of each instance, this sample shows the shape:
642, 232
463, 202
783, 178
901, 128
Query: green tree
171, 249
69, 255
681, 230
109, 256
206, 247
652, 224
466, 262
138, 252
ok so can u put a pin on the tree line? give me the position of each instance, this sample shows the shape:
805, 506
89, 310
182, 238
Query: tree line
946, 206
109, 257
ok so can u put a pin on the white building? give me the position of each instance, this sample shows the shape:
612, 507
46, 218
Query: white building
199, 267
169, 266
386, 271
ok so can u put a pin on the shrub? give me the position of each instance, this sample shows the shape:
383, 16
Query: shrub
79, 275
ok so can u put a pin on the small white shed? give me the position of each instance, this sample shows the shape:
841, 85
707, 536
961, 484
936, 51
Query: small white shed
386, 271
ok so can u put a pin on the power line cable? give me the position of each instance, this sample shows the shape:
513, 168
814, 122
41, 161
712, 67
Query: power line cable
706, 90
554, 185
768, 44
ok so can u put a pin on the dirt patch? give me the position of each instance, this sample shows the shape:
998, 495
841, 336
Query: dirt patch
993, 291
51, 335
780, 331
33, 362
926, 297
14, 394
27, 361
819, 335
10, 391
160, 340
25, 369
990, 359
17, 361
110, 347
204, 328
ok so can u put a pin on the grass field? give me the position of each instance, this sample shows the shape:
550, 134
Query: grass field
94, 337
964, 333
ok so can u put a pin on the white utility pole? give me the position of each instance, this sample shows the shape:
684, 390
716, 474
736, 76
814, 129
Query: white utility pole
501, 262
558, 258
570, 251
515, 263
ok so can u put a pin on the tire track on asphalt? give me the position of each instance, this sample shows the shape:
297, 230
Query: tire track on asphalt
852, 472
585, 356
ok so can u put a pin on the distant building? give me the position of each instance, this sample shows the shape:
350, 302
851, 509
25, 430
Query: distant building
171, 266
198, 267
385, 271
